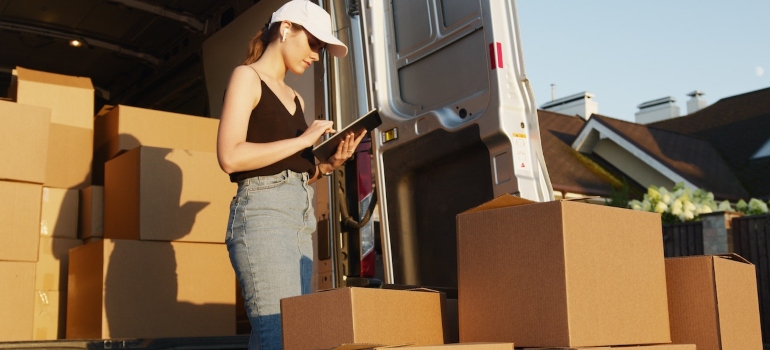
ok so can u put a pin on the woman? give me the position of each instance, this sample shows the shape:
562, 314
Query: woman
265, 145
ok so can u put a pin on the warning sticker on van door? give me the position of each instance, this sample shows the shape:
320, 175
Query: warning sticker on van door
520, 151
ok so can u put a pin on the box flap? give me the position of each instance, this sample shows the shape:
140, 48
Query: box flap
364, 346
737, 302
626, 347
734, 257
729, 256
577, 199
502, 201
52, 78
509, 200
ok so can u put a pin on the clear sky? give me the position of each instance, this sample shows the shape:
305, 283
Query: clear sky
628, 52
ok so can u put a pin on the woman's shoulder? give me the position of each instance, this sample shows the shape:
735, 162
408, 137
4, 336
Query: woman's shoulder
246, 76
244, 85
246, 71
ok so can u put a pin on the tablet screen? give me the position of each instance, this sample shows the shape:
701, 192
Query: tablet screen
368, 122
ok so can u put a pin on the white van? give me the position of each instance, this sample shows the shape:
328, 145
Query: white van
459, 128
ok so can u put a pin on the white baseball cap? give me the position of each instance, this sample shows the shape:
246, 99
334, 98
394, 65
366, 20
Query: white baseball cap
314, 19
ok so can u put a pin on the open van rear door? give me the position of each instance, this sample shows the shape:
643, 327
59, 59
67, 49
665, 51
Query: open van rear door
459, 125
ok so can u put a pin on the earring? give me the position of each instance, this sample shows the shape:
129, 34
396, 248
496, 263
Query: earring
285, 31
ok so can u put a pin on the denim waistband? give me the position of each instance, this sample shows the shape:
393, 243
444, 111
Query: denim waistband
277, 177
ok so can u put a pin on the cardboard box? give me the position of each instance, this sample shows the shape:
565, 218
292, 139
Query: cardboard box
91, 222
361, 315
16, 300
59, 213
23, 142
165, 194
456, 346
467, 346
713, 302
137, 289
632, 347
70, 99
448, 309
19, 221
70, 155
53, 259
560, 274
125, 127
50, 315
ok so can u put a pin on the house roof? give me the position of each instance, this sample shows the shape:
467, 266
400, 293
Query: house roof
737, 127
711, 149
569, 171
693, 159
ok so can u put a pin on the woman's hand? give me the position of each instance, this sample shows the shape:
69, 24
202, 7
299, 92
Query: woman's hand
345, 150
317, 129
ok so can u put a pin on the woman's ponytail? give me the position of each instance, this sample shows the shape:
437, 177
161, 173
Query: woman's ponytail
260, 41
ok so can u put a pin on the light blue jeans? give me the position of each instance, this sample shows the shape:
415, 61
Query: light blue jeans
269, 238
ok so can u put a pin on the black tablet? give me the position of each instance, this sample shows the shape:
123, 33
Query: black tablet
327, 148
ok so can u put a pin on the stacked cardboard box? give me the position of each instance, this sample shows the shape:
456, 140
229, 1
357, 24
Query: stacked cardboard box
633, 347
24, 142
454, 346
51, 206
23, 154
561, 274
148, 289
70, 101
91, 213
164, 194
49, 123
713, 302
155, 264
58, 234
16, 300
123, 128
571, 275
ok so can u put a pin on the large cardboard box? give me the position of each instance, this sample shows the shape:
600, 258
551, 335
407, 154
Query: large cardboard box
19, 221
166, 194
327, 319
50, 315
53, 259
632, 347
455, 346
70, 99
125, 127
23, 142
91, 222
59, 213
137, 289
17, 284
560, 274
713, 302
70, 154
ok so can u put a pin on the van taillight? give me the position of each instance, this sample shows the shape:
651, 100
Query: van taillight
367, 264
365, 197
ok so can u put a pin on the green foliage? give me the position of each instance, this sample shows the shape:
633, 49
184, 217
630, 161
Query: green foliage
682, 204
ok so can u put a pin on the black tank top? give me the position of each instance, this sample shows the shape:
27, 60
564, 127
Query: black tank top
271, 121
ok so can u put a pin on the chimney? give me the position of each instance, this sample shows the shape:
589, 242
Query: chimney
696, 102
581, 104
657, 110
